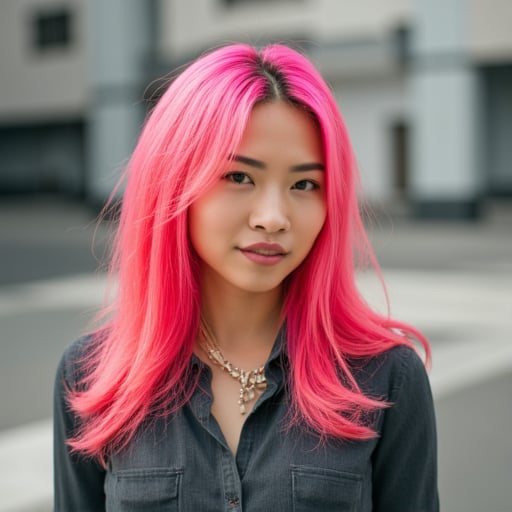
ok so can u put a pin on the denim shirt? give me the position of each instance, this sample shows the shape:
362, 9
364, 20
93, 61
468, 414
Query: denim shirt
182, 462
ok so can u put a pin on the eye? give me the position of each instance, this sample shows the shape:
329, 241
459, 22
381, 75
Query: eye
306, 185
240, 178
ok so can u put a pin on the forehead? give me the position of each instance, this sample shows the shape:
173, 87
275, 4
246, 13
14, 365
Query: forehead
280, 128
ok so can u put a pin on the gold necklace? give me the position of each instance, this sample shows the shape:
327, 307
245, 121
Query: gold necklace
251, 381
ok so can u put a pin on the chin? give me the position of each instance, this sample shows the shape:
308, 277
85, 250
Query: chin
259, 287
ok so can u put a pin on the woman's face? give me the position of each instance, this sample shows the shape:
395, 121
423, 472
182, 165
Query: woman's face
259, 222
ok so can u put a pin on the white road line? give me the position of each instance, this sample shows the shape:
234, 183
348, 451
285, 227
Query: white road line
26, 467
79, 291
458, 366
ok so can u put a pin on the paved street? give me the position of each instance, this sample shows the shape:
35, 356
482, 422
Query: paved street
452, 280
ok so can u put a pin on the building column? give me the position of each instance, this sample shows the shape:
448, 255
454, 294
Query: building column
119, 39
445, 178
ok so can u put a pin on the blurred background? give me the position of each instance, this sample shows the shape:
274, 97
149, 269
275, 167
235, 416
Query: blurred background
425, 88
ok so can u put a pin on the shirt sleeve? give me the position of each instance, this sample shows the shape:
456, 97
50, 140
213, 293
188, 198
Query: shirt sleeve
405, 460
78, 481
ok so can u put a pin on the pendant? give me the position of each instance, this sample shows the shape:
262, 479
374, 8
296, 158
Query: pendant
250, 380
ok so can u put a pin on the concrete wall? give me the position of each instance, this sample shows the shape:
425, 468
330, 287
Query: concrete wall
119, 35
37, 85
370, 109
188, 27
490, 34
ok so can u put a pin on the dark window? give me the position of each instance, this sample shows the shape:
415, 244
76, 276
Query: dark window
52, 29
400, 136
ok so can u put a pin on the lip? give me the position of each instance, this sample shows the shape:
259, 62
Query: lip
265, 247
264, 253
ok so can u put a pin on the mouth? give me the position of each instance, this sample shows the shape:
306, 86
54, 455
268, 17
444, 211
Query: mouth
265, 249
263, 253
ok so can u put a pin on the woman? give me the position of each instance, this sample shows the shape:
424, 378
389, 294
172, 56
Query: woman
239, 368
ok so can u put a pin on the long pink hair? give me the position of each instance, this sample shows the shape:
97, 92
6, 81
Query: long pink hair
140, 364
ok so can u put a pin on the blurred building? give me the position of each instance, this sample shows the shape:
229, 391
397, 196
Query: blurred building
425, 87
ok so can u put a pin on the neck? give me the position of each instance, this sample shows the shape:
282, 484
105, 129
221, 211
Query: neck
244, 324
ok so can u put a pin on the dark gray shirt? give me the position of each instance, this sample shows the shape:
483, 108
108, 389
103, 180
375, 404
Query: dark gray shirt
182, 462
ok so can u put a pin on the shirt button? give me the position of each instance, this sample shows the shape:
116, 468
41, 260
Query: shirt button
233, 501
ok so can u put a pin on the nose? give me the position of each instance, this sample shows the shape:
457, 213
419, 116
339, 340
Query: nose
269, 213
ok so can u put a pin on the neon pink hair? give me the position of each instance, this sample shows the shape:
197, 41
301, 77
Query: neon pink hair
141, 364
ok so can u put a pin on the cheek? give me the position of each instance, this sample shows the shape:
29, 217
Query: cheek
208, 223
314, 234
313, 221
316, 223
198, 225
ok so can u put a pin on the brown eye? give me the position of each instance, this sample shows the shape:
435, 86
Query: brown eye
239, 178
306, 185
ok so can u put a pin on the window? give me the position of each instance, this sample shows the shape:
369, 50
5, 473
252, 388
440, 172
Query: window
400, 155
52, 29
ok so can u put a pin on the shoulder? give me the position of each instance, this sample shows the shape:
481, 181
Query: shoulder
75, 359
387, 374
405, 456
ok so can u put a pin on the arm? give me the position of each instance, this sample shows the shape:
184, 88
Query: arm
405, 460
78, 481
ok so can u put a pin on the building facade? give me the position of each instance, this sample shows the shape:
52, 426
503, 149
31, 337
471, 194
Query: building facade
425, 87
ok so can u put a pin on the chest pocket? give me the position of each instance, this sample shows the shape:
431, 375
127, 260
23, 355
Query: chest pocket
134, 490
327, 490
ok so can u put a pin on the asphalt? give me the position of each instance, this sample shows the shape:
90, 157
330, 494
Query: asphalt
453, 280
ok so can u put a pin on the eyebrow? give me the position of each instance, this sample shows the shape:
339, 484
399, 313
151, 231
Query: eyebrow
258, 164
